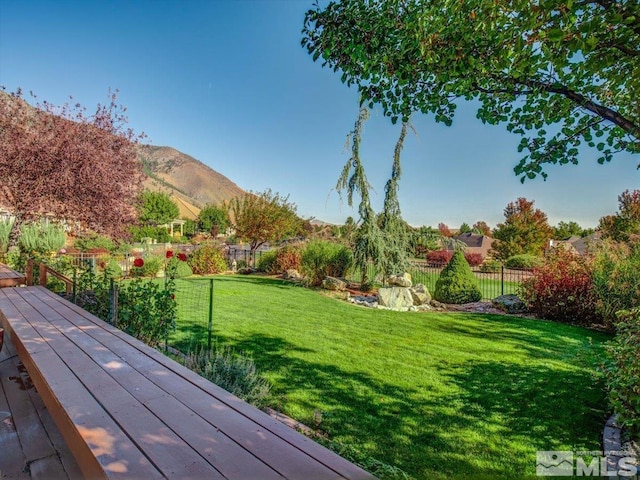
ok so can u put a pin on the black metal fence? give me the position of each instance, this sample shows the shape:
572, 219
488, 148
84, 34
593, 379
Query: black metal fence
492, 280
242, 256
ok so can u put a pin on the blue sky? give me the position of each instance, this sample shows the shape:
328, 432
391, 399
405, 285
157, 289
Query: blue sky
228, 83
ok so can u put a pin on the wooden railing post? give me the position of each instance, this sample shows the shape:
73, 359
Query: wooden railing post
42, 280
29, 272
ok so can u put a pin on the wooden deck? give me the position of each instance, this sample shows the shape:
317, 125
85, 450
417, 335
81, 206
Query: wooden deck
31, 446
10, 278
127, 411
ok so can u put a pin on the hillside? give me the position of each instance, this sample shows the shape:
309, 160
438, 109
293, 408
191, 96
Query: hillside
189, 182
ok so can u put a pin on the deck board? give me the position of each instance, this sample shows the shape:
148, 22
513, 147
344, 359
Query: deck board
240, 421
10, 278
179, 423
53, 461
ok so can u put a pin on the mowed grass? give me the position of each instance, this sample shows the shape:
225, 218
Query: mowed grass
438, 395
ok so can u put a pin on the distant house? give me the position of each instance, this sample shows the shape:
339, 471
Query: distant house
575, 244
476, 243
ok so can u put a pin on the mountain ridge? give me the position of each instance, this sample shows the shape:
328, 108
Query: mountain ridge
187, 180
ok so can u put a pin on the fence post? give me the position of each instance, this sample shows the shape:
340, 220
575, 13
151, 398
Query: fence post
210, 327
113, 303
29, 272
42, 274
75, 283
501, 279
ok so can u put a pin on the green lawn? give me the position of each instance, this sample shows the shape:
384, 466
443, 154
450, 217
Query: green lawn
436, 395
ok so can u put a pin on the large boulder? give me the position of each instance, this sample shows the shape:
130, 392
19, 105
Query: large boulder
510, 303
395, 297
403, 280
335, 284
420, 294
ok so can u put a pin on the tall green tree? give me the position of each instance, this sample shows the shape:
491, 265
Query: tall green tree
214, 219
156, 208
565, 230
264, 217
561, 74
394, 229
423, 240
368, 241
525, 230
465, 228
482, 228
626, 223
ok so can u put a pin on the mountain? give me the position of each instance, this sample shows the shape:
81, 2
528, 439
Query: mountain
189, 182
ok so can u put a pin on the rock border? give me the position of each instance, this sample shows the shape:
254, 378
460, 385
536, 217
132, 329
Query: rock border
612, 445
612, 442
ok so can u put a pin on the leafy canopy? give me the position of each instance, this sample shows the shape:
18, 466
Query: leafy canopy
264, 217
564, 230
559, 73
62, 161
626, 223
157, 208
213, 219
525, 231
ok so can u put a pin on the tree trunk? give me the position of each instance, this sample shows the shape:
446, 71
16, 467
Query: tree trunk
14, 233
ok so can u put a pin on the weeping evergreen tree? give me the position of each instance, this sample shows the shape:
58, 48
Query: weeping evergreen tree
384, 243
368, 242
394, 228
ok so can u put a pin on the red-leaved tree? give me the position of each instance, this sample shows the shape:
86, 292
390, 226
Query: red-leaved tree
60, 161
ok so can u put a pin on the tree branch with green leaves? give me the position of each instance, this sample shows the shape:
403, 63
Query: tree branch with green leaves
561, 74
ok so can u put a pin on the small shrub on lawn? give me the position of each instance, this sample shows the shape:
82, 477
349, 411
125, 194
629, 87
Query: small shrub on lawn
490, 266
267, 263
622, 372
524, 261
473, 259
561, 289
207, 260
113, 269
147, 310
321, 258
177, 268
288, 257
150, 267
457, 284
439, 257
235, 373
616, 278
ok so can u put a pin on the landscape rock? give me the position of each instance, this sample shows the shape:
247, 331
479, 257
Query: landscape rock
510, 303
420, 294
335, 284
366, 301
403, 280
292, 274
395, 297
